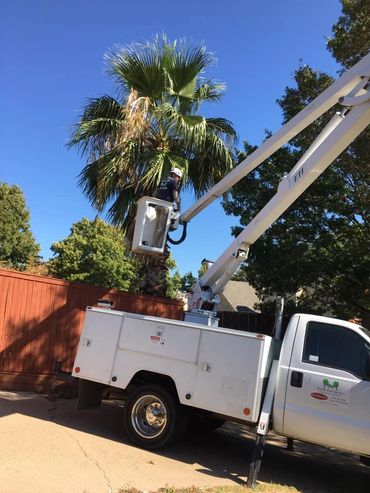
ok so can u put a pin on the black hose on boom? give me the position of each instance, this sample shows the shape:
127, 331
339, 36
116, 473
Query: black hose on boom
182, 238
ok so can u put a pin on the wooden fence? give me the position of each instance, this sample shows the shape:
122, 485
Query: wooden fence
41, 320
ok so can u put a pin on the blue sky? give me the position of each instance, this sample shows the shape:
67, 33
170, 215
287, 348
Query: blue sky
51, 61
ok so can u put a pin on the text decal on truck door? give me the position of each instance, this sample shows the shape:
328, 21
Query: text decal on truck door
330, 391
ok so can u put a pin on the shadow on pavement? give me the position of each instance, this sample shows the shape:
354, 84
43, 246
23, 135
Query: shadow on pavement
223, 453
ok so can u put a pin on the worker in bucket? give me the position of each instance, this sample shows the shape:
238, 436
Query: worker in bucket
167, 190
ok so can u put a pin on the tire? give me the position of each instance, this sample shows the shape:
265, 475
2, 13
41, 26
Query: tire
153, 418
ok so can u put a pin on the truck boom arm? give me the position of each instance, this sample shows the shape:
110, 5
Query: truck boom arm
352, 92
340, 89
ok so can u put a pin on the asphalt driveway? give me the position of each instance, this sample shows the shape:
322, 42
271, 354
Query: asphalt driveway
49, 446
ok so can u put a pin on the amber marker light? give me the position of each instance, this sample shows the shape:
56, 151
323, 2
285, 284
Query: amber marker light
246, 411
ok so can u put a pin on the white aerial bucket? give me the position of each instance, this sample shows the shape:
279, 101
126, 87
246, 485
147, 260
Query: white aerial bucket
153, 219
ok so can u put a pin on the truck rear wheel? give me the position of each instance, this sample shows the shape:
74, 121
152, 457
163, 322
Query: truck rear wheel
153, 418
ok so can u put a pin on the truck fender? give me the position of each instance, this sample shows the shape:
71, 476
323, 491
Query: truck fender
145, 377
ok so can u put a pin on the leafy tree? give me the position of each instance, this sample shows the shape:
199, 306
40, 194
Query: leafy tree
351, 39
131, 142
187, 280
18, 248
321, 245
203, 268
94, 253
173, 279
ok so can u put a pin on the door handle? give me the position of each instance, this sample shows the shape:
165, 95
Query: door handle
296, 379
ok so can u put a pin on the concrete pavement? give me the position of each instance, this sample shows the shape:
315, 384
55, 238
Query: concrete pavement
48, 446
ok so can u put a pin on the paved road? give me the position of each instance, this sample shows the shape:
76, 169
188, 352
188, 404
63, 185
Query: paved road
49, 447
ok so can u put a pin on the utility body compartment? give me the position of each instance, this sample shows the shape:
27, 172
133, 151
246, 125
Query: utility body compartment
215, 369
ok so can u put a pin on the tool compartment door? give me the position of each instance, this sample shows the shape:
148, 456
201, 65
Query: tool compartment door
98, 345
160, 338
230, 376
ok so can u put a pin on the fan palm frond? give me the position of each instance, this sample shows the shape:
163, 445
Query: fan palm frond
139, 68
209, 91
100, 122
133, 142
223, 129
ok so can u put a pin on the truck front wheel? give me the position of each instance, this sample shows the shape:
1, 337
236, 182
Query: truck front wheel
153, 418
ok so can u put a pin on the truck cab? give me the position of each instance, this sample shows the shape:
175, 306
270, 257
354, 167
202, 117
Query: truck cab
323, 383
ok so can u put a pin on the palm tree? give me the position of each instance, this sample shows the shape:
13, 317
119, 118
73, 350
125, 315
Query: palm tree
131, 142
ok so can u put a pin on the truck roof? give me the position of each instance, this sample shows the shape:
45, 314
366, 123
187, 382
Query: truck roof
335, 321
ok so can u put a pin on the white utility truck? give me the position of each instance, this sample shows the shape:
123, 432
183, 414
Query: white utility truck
314, 385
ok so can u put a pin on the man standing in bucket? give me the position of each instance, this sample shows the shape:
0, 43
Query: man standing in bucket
167, 190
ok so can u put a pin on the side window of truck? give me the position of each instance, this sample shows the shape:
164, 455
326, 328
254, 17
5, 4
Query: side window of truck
337, 347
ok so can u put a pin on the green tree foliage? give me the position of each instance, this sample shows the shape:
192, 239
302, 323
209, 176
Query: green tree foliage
202, 269
18, 248
322, 243
173, 279
132, 142
187, 280
94, 253
351, 39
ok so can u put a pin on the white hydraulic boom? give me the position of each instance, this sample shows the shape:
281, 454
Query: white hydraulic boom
352, 92
345, 86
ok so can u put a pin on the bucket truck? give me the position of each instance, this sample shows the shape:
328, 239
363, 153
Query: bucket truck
314, 385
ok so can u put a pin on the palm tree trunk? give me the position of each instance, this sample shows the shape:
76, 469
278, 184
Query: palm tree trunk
153, 274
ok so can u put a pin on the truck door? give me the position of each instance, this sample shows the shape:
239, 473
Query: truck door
328, 387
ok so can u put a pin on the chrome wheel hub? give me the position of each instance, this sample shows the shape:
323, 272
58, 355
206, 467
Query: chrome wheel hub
149, 416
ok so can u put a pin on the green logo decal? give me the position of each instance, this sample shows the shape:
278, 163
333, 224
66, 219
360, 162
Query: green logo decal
329, 385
